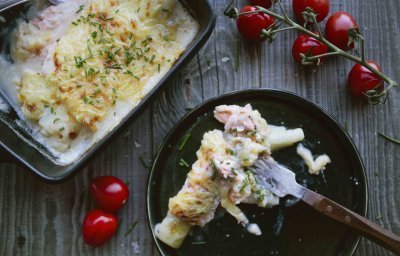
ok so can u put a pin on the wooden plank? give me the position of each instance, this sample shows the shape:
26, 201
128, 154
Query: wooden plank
41, 219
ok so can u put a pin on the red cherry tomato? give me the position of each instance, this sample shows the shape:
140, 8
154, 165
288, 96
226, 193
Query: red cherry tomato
109, 193
305, 43
361, 80
98, 227
263, 3
320, 7
337, 27
251, 25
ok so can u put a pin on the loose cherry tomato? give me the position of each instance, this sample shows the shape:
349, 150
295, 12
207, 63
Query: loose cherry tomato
304, 43
263, 3
361, 80
98, 227
320, 7
251, 25
337, 27
109, 193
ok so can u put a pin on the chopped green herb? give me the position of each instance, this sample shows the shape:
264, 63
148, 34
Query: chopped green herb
79, 61
158, 67
101, 16
115, 66
182, 162
86, 99
229, 151
185, 139
131, 228
389, 138
80, 8
94, 34
201, 242
346, 126
56, 120
152, 58
61, 129
89, 72
215, 170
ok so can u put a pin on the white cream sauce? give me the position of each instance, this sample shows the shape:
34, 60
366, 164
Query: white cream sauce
314, 164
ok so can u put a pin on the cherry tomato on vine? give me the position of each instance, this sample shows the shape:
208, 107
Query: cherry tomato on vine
361, 80
251, 25
320, 7
109, 193
337, 27
263, 3
304, 43
98, 227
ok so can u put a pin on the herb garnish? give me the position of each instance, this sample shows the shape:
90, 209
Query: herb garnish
80, 8
185, 139
131, 228
389, 138
182, 162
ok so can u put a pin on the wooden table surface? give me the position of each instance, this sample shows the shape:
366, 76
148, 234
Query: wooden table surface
41, 219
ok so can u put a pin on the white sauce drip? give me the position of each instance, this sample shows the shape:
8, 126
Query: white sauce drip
315, 165
254, 229
4, 106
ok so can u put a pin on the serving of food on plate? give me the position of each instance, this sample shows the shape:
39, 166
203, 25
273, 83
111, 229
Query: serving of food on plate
222, 173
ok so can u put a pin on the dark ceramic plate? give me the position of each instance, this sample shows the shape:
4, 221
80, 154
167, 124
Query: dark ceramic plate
288, 229
16, 148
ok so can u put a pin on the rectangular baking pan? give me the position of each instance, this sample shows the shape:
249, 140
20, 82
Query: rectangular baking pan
17, 148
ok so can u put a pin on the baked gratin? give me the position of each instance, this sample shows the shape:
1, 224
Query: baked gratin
78, 68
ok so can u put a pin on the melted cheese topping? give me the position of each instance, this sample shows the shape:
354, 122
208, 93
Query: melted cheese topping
94, 61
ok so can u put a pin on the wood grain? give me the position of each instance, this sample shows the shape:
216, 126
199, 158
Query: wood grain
41, 219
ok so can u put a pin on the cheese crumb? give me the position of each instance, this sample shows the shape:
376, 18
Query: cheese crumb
315, 165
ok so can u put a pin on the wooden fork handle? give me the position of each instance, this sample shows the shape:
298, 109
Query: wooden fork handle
351, 219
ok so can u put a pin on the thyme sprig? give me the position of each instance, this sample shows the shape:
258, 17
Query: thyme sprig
374, 96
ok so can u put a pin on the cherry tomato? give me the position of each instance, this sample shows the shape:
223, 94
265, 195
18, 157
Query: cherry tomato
109, 193
361, 80
98, 227
251, 25
305, 43
263, 3
337, 27
320, 7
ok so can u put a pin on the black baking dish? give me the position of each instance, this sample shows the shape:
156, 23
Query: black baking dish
24, 154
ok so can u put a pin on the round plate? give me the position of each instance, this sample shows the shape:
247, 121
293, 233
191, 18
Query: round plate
287, 230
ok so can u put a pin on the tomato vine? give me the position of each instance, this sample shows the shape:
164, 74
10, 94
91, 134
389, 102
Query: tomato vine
375, 96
